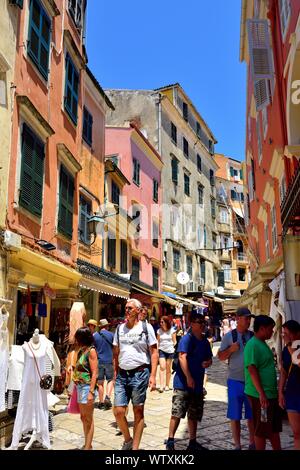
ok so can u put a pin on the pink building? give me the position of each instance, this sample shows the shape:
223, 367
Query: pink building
141, 165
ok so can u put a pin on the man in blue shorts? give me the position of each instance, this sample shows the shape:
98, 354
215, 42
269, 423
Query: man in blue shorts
232, 349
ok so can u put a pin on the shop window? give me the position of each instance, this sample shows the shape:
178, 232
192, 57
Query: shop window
32, 172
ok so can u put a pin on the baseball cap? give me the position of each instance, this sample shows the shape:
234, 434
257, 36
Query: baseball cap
244, 312
92, 322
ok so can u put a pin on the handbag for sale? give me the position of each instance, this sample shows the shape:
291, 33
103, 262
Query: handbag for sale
45, 380
42, 306
73, 406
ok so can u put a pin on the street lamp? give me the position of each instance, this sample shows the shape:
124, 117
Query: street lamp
96, 223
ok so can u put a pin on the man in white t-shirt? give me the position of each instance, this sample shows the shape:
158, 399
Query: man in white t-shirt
136, 358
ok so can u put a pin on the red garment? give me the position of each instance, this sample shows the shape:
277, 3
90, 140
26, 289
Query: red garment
29, 310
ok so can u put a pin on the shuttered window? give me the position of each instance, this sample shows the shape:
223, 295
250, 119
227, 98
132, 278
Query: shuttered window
213, 208
115, 193
76, 9
189, 266
174, 133
66, 203
285, 12
155, 278
274, 229
185, 147
174, 164
39, 37
71, 89
111, 252
85, 214
176, 260
136, 172
32, 172
199, 163
185, 111
200, 194
155, 190
212, 177
186, 184
124, 262
87, 130
155, 234
135, 269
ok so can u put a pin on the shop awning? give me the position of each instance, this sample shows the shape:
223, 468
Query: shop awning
238, 211
146, 291
185, 301
40, 269
98, 286
171, 301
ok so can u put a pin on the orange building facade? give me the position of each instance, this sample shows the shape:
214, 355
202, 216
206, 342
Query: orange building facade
270, 43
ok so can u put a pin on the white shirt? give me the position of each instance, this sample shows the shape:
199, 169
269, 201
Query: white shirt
165, 340
133, 344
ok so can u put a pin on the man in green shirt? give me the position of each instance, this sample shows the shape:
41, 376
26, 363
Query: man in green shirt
261, 385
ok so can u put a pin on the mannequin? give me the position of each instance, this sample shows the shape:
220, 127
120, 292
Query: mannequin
32, 411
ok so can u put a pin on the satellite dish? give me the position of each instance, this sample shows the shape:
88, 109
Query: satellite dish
183, 278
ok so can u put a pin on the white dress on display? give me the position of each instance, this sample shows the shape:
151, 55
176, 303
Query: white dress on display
32, 411
4, 353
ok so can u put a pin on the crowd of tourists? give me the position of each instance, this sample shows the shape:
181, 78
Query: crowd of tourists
125, 363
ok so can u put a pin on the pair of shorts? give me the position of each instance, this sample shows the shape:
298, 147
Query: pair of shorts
131, 386
105, 372
237, 400
292, 403
274, 414
190, 403
165, 355
82, 393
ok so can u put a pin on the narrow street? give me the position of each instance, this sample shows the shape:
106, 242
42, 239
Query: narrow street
214, 432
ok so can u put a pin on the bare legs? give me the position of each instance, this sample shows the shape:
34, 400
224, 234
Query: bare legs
120, 415
86, 415
294, 420
164, 370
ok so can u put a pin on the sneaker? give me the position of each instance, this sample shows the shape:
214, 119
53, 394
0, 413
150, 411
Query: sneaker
195, 447
160, 390
107, 403
127, 445
170, 445
167, 389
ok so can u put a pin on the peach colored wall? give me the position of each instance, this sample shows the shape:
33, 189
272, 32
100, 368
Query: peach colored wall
119, 140
48, 99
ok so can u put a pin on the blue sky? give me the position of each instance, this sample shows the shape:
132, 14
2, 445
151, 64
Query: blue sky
145, 44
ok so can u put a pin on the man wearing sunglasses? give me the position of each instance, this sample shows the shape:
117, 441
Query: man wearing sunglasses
232, 349
194, 356
135, 361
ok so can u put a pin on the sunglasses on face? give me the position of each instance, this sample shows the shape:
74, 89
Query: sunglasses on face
129, 308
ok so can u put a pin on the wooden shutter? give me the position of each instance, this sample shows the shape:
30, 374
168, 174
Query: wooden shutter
66, 201
37, 196
259, 49
261, 94
34, 31
111, 258
44, 45
221, 278
124, 263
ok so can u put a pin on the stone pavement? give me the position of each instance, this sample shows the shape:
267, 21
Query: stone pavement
214, 431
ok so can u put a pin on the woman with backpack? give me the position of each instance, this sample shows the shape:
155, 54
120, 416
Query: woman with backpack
166, 338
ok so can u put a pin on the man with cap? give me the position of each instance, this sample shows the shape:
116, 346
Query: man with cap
232, 349
104, 347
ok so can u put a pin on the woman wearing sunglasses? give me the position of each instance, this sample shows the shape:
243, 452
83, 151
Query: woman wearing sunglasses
166, 338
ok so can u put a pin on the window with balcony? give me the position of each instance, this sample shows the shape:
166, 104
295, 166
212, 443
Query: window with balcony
185, 147
71, 89
186, 184
176, 260
39, 37
32, 172
136, 172
174, 133
135, 269
174, 163
85, 214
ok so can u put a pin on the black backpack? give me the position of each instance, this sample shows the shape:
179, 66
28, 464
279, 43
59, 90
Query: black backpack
234, 335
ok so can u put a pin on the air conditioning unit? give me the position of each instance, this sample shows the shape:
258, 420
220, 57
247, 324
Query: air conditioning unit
236, 178
192, 286
220, 290
12, 240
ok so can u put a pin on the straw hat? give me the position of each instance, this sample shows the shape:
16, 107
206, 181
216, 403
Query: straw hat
92, 322
103, 323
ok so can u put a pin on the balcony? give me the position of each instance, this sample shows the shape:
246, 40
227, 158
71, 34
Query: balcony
242, 258
225, 255
290, 207
223, 227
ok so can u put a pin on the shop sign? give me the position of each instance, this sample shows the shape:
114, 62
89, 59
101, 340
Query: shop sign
291, 250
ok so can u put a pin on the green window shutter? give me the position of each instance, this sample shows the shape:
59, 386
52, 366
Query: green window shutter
71, 89
39, 37
32, 172
231, 171
66, 201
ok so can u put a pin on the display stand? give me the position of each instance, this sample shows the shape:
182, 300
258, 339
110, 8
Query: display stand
35, 438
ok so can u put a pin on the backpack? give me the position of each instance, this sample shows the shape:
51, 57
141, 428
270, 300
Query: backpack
234, 335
